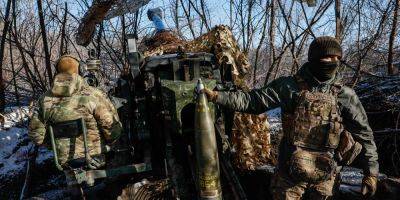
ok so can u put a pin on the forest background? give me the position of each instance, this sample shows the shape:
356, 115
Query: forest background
275, 35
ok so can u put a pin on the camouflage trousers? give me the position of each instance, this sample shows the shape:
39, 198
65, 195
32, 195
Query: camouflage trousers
284, 188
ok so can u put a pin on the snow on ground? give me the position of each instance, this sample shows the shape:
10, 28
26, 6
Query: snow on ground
379, 94
14, 150
15, 145
14, 116
274, 120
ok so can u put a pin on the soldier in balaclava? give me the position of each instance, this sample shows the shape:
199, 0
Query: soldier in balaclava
324, 124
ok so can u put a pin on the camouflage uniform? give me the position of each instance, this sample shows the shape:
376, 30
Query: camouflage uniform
71, 98
286, 92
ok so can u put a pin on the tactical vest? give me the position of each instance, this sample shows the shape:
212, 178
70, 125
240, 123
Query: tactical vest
316, 123
314, 129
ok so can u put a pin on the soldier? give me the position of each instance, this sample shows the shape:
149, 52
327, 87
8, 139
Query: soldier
316, 113
71, 98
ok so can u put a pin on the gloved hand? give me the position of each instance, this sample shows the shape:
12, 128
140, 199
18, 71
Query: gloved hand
369, 185
211, 95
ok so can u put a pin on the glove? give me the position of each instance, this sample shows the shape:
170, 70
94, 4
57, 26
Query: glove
369, 185
211, 95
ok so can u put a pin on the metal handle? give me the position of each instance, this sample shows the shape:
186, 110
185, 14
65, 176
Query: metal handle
53, 145
85, 145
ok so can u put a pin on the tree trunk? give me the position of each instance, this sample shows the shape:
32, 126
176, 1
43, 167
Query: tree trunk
45, 43
231, 14
123, 43
263, 34
189, 21
34, 83
99, 36
14, 74
2, 45
390, 66
339, 27
271, 41
29, 75
176, 18
64, 44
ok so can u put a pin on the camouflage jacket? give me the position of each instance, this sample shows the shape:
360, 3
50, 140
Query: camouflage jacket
282, 93
71, 98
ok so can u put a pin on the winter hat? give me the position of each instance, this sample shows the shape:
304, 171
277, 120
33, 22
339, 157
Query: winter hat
68, 64
324, 46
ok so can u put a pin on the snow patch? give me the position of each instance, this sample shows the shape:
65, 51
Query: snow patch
15, 145
274, 120
14, 116
14, 150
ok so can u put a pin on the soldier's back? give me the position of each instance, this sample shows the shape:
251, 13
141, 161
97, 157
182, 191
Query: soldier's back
70, 100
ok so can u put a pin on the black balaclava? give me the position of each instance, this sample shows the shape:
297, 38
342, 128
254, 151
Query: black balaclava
320, 48
323, 71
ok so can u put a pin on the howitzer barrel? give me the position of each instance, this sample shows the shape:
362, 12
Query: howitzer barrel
208, 175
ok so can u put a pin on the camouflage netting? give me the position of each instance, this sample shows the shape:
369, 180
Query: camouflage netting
219, 41
251, 137
251, 140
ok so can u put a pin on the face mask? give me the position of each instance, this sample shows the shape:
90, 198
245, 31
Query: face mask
323, 71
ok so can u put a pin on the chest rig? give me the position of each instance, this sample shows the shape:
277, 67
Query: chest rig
316, 123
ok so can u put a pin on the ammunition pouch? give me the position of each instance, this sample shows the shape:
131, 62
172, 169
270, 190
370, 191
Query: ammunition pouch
347, 150
311, 166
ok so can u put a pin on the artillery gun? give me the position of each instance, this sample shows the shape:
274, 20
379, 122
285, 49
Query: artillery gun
170, 125
173, 137
175, 144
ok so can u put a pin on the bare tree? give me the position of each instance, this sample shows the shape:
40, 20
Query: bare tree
63, 40
273, 33
339, 26
363, 52
14, 74
2, 45
260, 43
390, 66
186, 11
289, 40
45, 41
272, 29
202, 11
